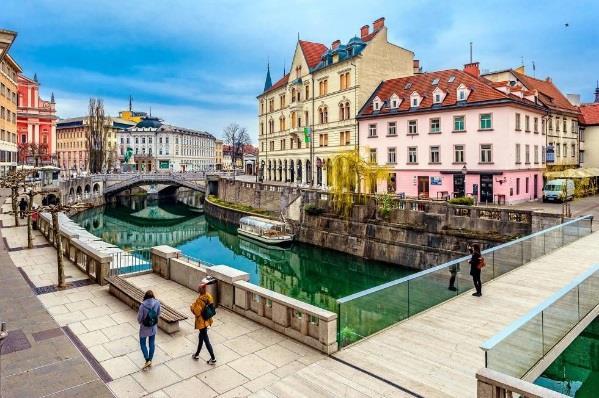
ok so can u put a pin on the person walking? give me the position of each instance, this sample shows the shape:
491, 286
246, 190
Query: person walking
147, 317
23, 207
203, 309
475, 268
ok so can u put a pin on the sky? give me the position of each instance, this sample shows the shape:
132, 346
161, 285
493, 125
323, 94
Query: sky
200, 64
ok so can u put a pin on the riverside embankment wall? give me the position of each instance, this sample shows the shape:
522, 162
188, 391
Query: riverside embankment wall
415, 233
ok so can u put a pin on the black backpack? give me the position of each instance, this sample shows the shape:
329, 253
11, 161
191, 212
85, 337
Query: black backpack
209, 311
151, 318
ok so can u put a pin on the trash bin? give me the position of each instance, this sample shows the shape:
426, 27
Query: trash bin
212, 288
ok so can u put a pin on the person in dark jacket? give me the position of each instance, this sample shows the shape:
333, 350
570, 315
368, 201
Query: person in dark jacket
475, 269
147, 317
23, 207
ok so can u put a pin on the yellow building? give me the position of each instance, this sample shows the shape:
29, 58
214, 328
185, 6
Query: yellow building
9, 71
72, 143
308, 116
219, 154
131, 115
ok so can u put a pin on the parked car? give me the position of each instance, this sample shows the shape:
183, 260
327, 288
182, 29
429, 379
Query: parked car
561, 190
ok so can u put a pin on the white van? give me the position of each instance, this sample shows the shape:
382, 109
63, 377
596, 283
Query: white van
561, 190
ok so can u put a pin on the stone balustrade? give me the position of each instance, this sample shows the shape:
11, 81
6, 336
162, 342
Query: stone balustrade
493, 384
303, 322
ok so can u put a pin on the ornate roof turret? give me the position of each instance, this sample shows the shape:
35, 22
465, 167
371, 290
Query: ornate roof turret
52, 98
597, 92
35, 78
268, 81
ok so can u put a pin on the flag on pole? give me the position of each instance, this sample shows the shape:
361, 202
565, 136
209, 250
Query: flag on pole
306, 134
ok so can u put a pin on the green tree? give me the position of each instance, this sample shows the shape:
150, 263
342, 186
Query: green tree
350, 177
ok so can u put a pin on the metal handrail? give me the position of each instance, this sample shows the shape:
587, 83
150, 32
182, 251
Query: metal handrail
395, 282
518, 323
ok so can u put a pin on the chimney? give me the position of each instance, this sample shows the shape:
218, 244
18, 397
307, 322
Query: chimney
363, 31
472, 69
335, 44
378, 24
416, 65
548, 79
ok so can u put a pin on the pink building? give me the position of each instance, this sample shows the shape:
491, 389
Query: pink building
455, 133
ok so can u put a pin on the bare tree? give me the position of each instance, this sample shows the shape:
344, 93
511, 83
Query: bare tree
97, 137
237, 137
14, 181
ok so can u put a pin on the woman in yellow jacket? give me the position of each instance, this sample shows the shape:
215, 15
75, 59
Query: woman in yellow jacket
201, 324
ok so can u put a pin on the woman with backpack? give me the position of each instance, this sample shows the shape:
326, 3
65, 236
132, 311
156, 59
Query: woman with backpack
203, 309
147, 317
477, 262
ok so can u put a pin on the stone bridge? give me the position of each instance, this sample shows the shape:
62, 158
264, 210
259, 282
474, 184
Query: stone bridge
115, 183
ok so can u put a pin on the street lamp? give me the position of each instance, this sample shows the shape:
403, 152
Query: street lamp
464, 170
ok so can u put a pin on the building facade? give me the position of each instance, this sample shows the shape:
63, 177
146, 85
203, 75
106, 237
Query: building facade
218, 152
9, 71
453, 133
560, 122
158, 146
72, 137
36, 124
309, 115
589, 131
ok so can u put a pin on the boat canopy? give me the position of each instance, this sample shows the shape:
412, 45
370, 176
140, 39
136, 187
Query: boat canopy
258, 222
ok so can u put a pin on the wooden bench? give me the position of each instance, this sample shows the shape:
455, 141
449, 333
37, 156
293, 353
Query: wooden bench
133, 297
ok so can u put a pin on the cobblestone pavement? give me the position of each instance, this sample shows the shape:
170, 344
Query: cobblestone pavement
38, 359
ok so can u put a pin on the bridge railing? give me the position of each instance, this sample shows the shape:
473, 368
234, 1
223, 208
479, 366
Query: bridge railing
131, 261
369, 311
521, 345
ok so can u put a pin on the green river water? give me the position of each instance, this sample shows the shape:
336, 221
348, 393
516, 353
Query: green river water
310, 274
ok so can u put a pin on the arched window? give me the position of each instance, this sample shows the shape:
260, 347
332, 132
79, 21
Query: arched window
324, 114
293, 120
347, 115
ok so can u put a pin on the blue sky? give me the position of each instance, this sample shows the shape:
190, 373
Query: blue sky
200, 64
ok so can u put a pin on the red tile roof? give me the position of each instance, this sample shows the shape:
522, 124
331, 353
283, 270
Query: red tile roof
312, 52
481, 90
590, 113
549, 94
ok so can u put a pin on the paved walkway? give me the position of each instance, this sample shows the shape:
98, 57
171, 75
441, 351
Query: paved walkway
437, 354
38, 359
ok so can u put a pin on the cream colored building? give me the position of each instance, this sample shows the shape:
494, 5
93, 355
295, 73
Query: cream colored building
72, 143
9, 71
218, 150
320, 97
560, 125
589, 132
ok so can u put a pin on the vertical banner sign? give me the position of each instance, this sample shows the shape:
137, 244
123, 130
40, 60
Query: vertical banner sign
306, 134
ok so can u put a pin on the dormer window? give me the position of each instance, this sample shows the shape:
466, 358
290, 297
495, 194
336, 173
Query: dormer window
462, 93
438, 96
394, 101
415, 100
377, 104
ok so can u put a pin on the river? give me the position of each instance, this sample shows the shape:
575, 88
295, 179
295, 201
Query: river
308, 273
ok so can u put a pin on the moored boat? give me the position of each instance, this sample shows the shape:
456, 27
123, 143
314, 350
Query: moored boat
266, 231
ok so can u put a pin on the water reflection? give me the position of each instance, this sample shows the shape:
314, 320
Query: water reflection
314, 275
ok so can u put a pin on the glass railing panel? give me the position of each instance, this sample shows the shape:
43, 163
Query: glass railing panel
588, 292
433, 288
571, 232
559, 319
537, 246
518, 352
507, 258
370, 313
553, 240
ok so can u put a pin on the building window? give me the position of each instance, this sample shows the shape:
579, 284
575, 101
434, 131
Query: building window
486, 121
412, 155
536, 154
323, 139
557, 126
536, 124
557, 150
565, 154
573, 150
518, 161
518, 122
344, 138
527, 154
565, 125
23, 138
527, 181
392, 183
391, 155
486, 153
323, 113
344, 111
435, 125
461, 95
372, 130
458, 123
392, 128
435, 156
412, 127
550, 122
458, 153
372, 155
344, 82
323, 87
543, 154
574, 126
437, 98
517, 186
282, 101
307, 91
